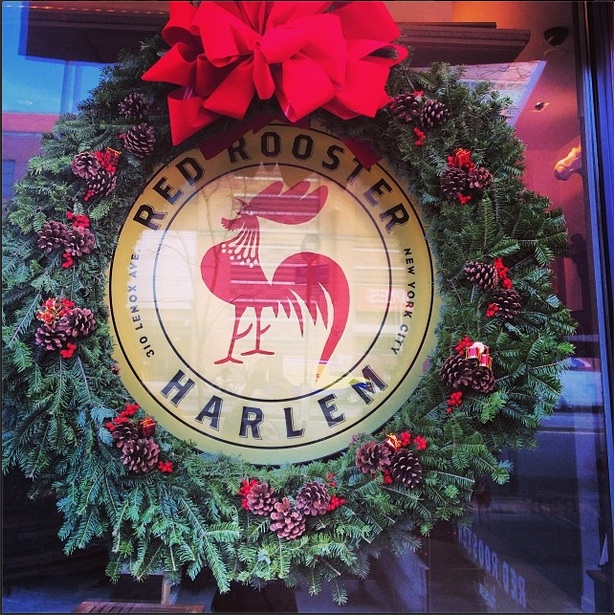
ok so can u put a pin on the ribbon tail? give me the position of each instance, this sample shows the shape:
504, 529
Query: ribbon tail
213, 145
187, 116
362, 150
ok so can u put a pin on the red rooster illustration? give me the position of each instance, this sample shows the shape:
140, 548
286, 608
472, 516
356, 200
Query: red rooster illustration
231, 270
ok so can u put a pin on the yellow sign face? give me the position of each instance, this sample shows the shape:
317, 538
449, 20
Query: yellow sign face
274, 300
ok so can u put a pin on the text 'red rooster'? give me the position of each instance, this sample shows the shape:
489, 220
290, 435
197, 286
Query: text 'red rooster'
232, 272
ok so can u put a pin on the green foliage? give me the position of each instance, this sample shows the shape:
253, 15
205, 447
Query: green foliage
55, 409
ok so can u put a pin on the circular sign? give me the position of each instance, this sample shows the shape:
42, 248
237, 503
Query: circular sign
275, 299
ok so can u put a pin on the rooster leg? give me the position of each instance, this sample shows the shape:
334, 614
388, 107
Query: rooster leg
234, 337
259, 331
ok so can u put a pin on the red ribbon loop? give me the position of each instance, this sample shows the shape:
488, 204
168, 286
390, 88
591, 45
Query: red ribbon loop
310, 55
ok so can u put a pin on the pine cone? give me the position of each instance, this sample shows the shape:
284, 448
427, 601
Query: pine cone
313, 498
103, 182
140, 456
53, 235
406, 468
434, 113
508, 302
133, 107
85, 165
406, 107
483, 380
261, 499
483, 275
453, 182
50, 337
288, 522
456, 372
479, 178
140, 140
124, 432
372, 457
80, 240
79, 322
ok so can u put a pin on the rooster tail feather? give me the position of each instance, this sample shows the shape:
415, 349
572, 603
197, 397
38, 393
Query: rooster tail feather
293, 206
308, 279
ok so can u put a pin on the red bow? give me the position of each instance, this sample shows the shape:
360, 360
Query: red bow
308, 54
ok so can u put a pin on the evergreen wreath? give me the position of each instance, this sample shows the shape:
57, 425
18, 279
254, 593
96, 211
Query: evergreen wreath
494, 374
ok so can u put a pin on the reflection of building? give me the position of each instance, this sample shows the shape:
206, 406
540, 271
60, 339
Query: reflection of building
38, 86
21, 140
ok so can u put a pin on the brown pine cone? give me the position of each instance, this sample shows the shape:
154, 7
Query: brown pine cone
85, 165
133, 107
53, 235
405, 106
406, 468
261, 499
124, 432
456, 372
103, 182
77, 323
140, 140
313, 498
79, 241
479, 178
483, 380
287, 522
140, 456
508, 302
434, 113
372, 457
50, 337
483, 275
453, 182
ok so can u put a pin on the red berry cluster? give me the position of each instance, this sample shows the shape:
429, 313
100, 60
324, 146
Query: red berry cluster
125, 415
165, 467
505, 282
502, 270
492, 310
108, 159
405, 439
335, 501
244, 491
78, 219
420, 136
68, 351
454, 400
464, 343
